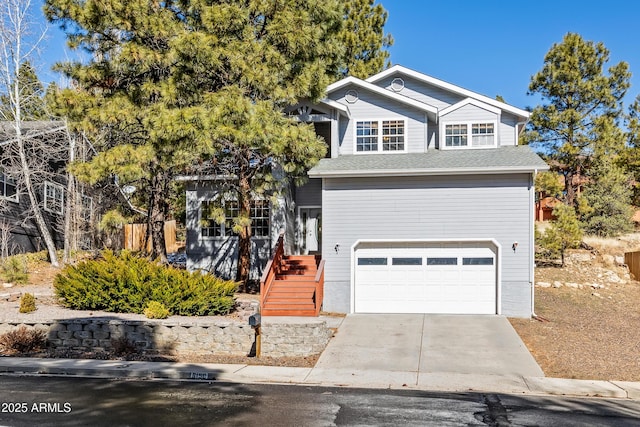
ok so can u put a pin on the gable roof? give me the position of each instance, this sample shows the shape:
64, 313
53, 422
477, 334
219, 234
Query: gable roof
429, 109
399, 69
511, 159
469, 101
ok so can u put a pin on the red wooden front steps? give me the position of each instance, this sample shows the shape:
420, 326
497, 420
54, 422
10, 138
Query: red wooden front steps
295, 288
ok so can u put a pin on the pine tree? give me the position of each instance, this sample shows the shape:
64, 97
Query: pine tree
608, 193
548, 183
564, 232
576, 91
31, 96
177, 83
631, 158
364, 40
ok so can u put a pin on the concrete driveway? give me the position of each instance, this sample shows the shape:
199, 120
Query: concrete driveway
429, 344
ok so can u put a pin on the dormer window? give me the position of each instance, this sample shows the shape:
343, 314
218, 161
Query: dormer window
376, 136
482, 135
470, 135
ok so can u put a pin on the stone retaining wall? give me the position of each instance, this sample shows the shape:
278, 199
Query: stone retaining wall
300, 338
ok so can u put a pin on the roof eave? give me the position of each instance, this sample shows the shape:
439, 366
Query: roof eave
448, 86
429, 109
426, 172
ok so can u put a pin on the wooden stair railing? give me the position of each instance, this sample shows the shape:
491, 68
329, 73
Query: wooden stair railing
271, 270
292, 285
319, 279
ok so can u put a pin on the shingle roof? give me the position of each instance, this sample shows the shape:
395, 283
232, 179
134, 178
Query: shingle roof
434, 162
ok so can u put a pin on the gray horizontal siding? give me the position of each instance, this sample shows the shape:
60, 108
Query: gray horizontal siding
423, 92
469, 112
310, 194
430, 208
372, 106
219, 255
507, 126
25, 236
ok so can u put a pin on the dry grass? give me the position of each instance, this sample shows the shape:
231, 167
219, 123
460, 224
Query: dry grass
590, 333
617, 246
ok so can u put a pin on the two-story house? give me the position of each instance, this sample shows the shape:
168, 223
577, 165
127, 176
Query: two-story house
424, 204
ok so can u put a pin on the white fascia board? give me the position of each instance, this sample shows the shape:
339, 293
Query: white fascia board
471, 101
336, 105
383, 92
448, 86
342, 83
423, 172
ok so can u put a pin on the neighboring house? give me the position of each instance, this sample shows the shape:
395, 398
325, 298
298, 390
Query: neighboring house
544, 208
47, 143
424, 204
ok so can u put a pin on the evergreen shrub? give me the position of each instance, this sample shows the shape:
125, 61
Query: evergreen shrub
14, 269
156, 310
27, 303
125, 283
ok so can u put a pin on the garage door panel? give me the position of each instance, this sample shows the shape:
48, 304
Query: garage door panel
447, 278
409, 276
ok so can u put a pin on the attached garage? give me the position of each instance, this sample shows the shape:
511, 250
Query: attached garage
433, 277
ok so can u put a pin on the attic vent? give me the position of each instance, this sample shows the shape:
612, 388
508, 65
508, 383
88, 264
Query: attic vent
351, 96
397, 84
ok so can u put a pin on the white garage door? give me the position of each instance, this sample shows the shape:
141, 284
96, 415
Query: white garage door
446, 278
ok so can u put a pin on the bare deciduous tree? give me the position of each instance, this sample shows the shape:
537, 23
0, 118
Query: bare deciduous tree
22, 149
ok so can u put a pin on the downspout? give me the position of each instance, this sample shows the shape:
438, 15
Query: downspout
532, 243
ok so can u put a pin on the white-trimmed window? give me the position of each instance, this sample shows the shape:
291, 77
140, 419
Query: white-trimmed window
86, 209
483, 135
456, 135
260, 218
374, 136
53, 198
8, 188
470, 135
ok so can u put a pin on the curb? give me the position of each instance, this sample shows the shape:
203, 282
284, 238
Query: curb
320, 377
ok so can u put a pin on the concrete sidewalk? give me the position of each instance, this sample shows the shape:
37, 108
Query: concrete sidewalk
510, 384
424, 352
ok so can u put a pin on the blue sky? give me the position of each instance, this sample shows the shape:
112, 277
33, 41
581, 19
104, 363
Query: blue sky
494, 47
491, 47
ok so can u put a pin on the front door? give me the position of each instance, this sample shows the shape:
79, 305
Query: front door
310, 222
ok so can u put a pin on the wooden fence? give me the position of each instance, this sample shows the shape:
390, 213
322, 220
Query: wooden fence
632, 259
136, 234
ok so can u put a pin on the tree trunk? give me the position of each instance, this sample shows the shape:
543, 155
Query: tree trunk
37, 212
570, 193
244, 237
70, 242
157, 214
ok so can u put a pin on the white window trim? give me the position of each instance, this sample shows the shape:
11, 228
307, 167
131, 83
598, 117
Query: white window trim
469, 146
13, 198
84, 197
58, 187
380, 150
232, 236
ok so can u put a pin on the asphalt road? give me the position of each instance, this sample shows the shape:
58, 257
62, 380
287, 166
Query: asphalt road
56, 401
